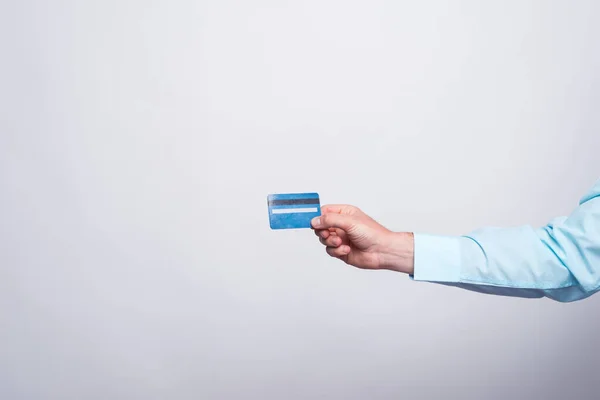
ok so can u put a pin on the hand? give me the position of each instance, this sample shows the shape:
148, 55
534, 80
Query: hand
355, 238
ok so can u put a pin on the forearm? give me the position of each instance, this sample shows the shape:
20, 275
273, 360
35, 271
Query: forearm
560, 261
521, 261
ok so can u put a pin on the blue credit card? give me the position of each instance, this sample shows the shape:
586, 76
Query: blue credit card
293, 210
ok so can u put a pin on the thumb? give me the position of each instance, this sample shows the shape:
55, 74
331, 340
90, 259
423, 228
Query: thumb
340, 221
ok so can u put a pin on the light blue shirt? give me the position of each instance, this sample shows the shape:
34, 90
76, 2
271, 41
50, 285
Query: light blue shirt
560, 261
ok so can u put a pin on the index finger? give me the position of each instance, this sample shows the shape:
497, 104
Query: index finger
339, 209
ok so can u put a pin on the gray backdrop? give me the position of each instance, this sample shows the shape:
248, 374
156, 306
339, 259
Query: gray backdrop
139, 140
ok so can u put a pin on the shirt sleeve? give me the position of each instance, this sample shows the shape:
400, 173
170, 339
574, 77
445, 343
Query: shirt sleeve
560, 261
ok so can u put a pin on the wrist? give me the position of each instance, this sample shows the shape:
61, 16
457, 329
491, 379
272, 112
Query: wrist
398, 252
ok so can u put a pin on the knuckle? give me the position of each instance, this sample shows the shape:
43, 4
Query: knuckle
352, 209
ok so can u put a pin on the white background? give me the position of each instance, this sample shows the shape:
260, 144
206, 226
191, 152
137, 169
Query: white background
138, 143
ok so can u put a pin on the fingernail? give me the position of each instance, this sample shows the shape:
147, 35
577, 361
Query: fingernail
316, 222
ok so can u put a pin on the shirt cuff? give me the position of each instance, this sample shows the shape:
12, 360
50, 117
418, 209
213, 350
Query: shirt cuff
436, 258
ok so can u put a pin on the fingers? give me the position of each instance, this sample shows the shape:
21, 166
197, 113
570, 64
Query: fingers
332, 241
338, 252
322, 233
332, 225
331, 220
343, 209
340, 233
339, 209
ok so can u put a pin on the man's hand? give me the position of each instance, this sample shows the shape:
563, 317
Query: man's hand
358, 240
